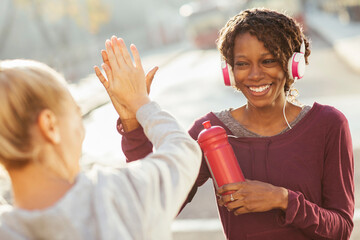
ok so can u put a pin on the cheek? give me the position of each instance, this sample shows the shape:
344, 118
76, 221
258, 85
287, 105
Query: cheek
79, 129
82, 131
240, 77
276, 73
281, 76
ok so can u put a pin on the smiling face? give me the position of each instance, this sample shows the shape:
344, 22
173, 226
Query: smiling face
257, 73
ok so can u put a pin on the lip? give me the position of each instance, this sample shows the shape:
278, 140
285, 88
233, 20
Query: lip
259, 94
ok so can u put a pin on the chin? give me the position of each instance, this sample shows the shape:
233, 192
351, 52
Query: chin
260, 103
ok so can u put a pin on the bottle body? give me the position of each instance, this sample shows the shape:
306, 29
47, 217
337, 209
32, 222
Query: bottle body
219, 155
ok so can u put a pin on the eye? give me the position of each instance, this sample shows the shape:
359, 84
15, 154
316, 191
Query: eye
269, 62
241, 64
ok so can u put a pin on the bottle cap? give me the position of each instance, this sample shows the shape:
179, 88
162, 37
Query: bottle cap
206, 124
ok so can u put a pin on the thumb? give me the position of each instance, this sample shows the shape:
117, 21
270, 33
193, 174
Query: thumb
149, 78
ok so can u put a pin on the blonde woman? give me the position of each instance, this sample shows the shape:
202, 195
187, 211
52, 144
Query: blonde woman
41, 134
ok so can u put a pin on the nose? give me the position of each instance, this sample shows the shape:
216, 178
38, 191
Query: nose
255, 73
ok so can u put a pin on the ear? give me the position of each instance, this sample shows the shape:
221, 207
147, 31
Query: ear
49, 126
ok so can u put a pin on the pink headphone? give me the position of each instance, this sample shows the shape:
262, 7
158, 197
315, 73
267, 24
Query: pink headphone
296, 67
228, 74
296, 64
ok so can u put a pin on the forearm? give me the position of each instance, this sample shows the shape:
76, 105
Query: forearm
177, 156
315, 221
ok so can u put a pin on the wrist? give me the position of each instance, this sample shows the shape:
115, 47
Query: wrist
138, 103
284, 198
129, 124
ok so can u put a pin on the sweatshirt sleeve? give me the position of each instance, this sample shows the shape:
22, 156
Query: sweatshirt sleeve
163, 179
136, 145
333, 219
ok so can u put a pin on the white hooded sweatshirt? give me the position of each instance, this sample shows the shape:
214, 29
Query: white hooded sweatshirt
138, 201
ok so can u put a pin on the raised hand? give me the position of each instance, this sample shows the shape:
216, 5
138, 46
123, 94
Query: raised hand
125, 79
128, 118
252, 196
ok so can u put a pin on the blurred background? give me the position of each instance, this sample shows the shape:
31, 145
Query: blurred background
179, 37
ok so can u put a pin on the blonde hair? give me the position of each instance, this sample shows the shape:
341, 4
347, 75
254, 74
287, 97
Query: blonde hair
26, 88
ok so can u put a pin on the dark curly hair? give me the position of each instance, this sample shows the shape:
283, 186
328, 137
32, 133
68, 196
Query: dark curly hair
281, 35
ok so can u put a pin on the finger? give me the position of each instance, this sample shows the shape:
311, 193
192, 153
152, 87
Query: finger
125, 52
230, 187
238, 203
101, 77
105, 57
136, 56
111, 56
240, 210
108, 72
228, 198
220, 202
150, 77
117, 51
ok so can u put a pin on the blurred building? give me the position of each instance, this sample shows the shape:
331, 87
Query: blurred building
347, 10
293, 8
204, 19
69, 34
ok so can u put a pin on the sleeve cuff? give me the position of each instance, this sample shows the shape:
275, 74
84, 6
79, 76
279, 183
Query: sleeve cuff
135, 144
288, 217
120, 129
141, 115
145, 111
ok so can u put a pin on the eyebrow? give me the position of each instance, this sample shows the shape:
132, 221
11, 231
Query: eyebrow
263, 54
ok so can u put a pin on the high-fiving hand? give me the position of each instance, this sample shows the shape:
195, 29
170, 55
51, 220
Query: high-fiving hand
125, 80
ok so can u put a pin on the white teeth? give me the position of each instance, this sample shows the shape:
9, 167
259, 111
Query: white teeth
259, 89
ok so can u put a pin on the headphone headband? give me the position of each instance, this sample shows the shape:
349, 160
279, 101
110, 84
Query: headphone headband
302, 47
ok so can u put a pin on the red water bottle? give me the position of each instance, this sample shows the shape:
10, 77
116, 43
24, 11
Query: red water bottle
219, 155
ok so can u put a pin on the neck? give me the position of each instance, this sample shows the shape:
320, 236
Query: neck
263, 116
267, 114
35, 187
266, 121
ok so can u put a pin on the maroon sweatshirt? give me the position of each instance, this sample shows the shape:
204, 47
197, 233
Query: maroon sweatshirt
314, 161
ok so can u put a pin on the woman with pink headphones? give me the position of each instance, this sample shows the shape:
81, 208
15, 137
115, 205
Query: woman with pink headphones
297, 160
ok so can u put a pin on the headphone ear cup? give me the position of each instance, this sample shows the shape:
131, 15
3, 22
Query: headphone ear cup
228, 74
296, 66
